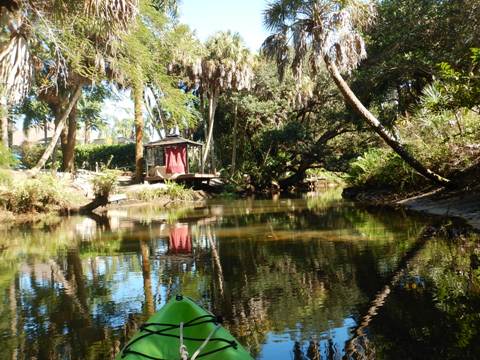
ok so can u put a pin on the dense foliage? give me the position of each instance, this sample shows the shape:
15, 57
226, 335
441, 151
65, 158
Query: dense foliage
89, 157
92, 157
43, 194
419, 90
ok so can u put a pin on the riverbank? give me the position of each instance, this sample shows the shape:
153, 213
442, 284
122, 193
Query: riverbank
462, 204
49, 197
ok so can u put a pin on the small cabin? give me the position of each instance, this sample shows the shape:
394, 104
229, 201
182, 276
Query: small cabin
175, 158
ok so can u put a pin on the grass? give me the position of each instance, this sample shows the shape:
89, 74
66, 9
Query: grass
40, 195
171, 192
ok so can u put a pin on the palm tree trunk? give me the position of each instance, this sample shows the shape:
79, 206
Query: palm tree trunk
377, 126
61, 124
234, 150
69, 149
59, 109
212, 107
138, 104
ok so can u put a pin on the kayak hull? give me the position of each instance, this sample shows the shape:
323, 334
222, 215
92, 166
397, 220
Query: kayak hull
159, 338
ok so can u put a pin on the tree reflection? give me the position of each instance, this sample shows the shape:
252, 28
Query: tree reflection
303, 270
147, 281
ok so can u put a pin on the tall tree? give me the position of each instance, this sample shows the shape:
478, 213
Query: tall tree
225, 65
78, 35
329, 30
71, 140
142, 62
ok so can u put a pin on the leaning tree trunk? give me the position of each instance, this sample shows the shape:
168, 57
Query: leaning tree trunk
356, 104
69, 149
212, 107
61, 124
138, 104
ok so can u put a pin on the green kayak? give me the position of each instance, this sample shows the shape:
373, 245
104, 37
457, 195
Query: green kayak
182, 321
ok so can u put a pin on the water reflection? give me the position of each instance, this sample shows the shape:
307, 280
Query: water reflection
294, 279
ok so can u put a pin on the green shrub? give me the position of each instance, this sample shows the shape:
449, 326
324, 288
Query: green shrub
6, 161
42, 194
381, 168
105, 182
173, 191
86, 156
114, 156
6, 157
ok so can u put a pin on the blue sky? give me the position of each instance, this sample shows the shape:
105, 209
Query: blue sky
242, 16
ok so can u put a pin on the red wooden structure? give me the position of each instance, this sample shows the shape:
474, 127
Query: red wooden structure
177, 159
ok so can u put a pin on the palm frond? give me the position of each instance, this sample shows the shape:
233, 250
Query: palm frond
276, 47
16, 70
117, 12
316, 29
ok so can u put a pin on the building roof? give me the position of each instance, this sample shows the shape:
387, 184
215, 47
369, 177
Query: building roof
173, 140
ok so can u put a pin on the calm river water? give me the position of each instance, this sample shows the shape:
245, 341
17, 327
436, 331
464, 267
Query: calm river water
293, 278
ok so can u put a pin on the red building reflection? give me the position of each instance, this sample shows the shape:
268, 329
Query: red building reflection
180, 241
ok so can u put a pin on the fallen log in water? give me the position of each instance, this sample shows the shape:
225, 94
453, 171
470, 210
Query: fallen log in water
99, 201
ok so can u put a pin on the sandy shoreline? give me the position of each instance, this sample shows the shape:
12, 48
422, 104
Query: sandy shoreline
463, 204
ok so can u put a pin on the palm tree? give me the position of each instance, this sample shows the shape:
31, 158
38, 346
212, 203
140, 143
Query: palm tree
329, 30
225, 66
26, 22
141, 64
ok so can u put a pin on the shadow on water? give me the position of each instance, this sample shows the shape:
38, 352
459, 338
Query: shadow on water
311, 278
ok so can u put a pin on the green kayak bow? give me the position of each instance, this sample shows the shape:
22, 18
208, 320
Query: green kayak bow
182, 330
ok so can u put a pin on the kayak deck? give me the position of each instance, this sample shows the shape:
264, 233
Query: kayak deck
181, 317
